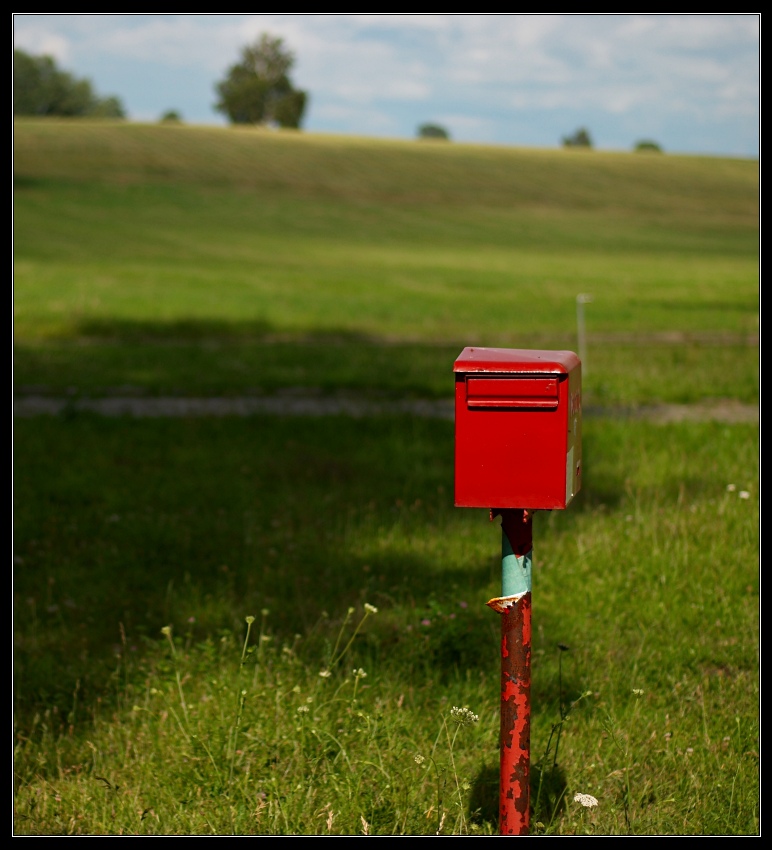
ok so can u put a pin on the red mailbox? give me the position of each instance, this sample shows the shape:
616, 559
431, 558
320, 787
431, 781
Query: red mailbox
518, 428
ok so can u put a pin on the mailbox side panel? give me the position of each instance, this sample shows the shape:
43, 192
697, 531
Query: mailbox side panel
574, 439
514, 458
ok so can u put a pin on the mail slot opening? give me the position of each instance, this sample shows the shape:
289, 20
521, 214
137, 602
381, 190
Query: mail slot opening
530, 392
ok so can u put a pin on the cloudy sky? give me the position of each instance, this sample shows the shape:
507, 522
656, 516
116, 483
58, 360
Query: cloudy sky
689, 82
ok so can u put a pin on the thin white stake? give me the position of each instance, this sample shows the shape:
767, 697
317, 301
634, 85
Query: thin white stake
581, 335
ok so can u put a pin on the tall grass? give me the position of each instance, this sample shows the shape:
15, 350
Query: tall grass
650, 581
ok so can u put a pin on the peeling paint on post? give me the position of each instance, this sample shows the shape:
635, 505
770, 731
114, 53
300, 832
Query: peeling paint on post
514, 605
514, 796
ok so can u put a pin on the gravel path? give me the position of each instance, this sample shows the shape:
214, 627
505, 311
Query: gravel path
721, 410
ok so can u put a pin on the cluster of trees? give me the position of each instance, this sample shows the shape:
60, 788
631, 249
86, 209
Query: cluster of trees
433, 131
579, 139
582, 139
255, 90
258, 90
647, 145
40, 88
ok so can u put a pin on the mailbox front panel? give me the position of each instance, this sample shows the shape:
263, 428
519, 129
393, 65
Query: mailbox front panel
518, 433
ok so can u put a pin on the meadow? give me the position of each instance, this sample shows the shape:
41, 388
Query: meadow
262, 625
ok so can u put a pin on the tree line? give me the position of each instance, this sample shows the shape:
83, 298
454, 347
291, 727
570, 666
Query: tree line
255, 90
40, 88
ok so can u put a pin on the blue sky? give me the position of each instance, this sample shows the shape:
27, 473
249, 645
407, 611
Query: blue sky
689, 82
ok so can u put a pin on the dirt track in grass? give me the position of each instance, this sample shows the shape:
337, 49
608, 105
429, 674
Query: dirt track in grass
295, 404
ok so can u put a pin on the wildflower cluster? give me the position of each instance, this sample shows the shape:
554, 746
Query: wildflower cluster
463, 716
586, 800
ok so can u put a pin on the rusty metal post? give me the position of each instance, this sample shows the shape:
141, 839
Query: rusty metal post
514, 605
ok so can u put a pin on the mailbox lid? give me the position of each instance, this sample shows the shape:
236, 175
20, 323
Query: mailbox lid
515, 361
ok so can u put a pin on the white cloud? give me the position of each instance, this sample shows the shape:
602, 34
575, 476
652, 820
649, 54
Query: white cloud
434, 23
39, 41
179, 43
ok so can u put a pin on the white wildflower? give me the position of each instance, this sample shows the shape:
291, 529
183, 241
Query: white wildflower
638, 692
359, 674
418, 758
302, 709
371, 609
586, 800
744, 494
325, 674
730, 488
463, 716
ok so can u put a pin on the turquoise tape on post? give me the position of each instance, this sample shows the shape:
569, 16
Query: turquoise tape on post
515, 572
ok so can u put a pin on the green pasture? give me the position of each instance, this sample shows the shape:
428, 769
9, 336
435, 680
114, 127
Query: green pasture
263, 625
189, 260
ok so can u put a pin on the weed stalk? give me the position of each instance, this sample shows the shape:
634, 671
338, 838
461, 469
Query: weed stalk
167, 630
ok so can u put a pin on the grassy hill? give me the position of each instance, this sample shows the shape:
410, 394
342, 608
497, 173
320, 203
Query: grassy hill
238, 236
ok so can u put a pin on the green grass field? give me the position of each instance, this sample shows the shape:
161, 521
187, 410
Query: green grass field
188, 261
